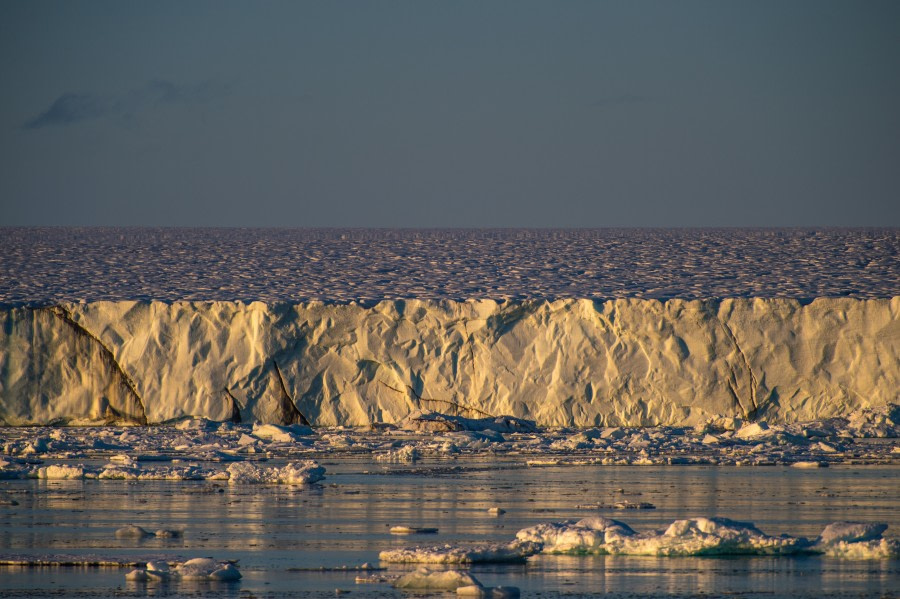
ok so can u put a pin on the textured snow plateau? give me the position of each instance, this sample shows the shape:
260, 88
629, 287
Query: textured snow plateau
43, 266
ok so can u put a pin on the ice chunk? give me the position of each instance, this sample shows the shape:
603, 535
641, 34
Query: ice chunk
753, 430
613, 433
158, 566
697, 536
715, 536
226, 573
204, 568
851, 532
138, 575
280, 434
876, 549
133, 531
881, 421
307, 471
590, 535
196, 424
517, 551
425, 578
58, 471
404, 454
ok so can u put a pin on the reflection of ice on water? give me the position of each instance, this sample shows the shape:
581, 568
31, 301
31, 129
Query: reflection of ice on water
278, 533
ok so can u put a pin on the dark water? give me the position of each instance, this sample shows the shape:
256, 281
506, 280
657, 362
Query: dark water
282, 534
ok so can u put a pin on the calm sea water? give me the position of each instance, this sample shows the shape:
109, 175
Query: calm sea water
283, 535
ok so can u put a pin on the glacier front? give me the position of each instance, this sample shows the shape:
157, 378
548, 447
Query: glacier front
569, 362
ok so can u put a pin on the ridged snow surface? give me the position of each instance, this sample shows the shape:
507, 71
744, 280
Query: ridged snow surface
569, 362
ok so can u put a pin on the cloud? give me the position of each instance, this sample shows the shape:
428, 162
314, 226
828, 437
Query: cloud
73, 108
69, 108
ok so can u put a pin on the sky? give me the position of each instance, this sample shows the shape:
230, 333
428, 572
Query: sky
450, 114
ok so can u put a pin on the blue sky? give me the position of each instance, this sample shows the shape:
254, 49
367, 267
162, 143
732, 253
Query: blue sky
447, 114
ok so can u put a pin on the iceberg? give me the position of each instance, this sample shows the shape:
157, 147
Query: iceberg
569, 362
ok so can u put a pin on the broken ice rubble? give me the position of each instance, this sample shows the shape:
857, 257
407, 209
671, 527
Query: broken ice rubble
199, 449
706, 536
200, 568
299, 472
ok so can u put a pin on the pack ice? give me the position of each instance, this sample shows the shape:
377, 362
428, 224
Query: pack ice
569, 362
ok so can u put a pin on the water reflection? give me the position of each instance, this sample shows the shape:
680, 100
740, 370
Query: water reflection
281, 533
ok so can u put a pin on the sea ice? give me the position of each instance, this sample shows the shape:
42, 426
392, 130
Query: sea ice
851, 532
57, 472
590, 535
204, 568
304, 472
425, 578
404, 454
706, 536
201, 568
281, 434
517, 551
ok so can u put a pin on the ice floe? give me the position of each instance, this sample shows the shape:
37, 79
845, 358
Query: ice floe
705, 536
404, 454
295, 472
307, 471
199, 449
425, 578
516, 551
200, 568
281, 434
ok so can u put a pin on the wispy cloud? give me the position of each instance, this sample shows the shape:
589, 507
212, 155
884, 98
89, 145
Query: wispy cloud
72, 108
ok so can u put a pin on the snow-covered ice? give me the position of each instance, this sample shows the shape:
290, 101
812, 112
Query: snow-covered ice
424, 578
233, 452
45, 265
516, 551
307, 471
200, 568
706, 536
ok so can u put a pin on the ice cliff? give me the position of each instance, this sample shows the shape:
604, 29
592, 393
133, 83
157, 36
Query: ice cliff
569, 362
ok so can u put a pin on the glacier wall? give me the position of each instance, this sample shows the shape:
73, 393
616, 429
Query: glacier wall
569, 362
